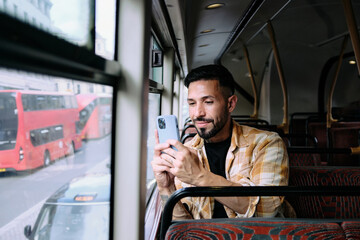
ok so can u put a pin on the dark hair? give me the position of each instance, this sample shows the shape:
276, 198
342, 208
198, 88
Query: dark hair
212, 72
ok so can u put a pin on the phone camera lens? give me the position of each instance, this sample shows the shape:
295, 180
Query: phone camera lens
161, 122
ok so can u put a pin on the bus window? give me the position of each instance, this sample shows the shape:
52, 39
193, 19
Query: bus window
40, 129
156, 76
8, 121
49, 16
41, 103
54, 102
39, 135
156, 73
45, 136
58, 130
154, 111
74, 26
105, 28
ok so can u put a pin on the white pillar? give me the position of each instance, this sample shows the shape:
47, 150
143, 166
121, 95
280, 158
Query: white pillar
131, 119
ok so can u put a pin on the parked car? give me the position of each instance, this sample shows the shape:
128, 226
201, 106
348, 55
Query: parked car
78, 210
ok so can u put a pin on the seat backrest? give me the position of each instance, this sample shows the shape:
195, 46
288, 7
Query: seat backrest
188, 133
318, 130
344, 137
251, 121
325, 206
301, 158
304, 159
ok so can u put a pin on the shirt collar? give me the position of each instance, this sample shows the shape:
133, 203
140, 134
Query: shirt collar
238, 139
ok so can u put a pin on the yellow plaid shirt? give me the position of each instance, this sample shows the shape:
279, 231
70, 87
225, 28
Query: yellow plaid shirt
255, 158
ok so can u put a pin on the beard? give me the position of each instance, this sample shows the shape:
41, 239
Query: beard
217, 126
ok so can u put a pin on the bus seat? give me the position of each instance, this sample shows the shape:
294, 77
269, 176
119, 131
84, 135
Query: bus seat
257, 227
236, 228
304, 159
188, 121
351, 229
188, 133
325, 206
272, 128
187, 137
323, 135
300, 158
251, 121
266, 127
345, 124
318, 130
293, 139
298, 122
342, 138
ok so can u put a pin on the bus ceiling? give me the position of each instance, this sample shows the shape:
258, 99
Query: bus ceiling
206, 33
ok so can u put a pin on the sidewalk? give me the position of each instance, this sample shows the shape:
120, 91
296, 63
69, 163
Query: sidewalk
15, 229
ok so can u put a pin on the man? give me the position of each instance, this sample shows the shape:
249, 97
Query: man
223, 153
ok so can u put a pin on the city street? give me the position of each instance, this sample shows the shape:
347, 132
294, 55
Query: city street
22, 194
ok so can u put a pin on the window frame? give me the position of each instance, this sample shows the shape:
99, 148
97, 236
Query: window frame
27, 48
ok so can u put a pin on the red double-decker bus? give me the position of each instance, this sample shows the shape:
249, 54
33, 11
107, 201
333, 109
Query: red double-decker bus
36, 128
95, 115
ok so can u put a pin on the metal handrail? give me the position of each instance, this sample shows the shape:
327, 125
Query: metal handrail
250, 191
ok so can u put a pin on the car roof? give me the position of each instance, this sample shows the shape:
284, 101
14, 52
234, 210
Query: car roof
89, 188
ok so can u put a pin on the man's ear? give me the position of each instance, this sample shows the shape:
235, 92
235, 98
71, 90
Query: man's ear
232, 100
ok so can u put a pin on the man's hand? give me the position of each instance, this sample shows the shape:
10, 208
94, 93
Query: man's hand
186, 165
161, 166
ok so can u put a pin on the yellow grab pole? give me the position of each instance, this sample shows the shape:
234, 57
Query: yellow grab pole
329, 118
353, 30
255, 112
285, 123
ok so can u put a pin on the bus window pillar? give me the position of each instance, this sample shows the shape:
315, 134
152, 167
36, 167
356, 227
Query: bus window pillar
183, 114
133, 29
168, 82
176, 99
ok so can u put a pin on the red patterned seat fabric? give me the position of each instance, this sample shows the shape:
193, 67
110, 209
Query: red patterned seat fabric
253, 229
325, 206
304, 159
351, 229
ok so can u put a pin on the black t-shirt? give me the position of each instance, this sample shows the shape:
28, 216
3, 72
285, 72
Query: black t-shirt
216, 155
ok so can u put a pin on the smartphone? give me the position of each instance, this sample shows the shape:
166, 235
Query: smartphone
167, 127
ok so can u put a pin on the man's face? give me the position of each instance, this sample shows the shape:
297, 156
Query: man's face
208, 107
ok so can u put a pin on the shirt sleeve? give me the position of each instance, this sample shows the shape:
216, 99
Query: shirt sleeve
270, 168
